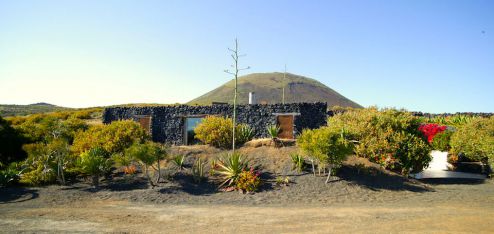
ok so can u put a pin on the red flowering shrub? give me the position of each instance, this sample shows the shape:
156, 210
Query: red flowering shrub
248, 181
430, 130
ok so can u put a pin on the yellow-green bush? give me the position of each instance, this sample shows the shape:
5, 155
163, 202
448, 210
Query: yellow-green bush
218, 132
475, 140
113, 138
381, 133
413, 153
39, 165
327, 145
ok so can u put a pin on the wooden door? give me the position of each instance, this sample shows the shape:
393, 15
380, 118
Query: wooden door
285, 122
145, 122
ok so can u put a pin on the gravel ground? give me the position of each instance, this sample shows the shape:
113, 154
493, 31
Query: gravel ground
357, 199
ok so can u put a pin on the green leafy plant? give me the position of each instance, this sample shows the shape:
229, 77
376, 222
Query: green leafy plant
198, 170
282, 180
147, 154
125, 162
113, 138
230, 167
10, 174
248, 181
328, 145
179, 162
413, 154
218, 132
94, 163
454, 120
298, 162
273, 131
46, 162
475, 140
378, 134
442, 140
244, 133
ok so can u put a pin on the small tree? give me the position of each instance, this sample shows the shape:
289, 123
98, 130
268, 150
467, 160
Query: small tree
147, 154
327, 145
95, 164
59, 151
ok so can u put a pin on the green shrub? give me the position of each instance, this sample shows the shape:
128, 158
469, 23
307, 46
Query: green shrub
215, 131
218, 132
475, 140
298, 162
454, 120
273, 131
230, 167
11, 141
44, 127
413, 154
46, 162
282, 180
113, 138
147, 154
379, 133
244, 133
442, 140
179, 161
10, 174
94, 163
327, 145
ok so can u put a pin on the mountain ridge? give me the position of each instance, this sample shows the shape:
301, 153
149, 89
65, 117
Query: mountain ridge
268, 90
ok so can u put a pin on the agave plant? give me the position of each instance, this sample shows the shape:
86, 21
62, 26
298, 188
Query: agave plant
244, 133
230, 167
298, 162
273, 131
179, 161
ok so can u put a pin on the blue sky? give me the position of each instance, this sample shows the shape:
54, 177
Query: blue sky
433, 56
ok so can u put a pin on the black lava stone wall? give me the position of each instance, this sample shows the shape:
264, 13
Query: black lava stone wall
168, 122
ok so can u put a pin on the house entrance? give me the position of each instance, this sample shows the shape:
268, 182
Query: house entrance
145, 122
286, 125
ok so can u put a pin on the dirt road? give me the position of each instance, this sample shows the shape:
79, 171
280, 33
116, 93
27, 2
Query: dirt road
123, 216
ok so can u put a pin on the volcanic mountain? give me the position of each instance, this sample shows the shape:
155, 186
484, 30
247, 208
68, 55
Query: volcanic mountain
268, 90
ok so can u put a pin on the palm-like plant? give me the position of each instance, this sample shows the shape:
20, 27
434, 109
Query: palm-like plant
245, 133
230, 167
273, 131
179, 161
95, 164
298, 162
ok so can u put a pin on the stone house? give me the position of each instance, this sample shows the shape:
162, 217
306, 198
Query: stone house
175, 124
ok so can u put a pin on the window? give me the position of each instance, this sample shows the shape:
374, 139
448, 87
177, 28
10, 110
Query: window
190, 124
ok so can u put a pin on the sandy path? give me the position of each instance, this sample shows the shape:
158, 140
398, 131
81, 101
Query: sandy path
122, 216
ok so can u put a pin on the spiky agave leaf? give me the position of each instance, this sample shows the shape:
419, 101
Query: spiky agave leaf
230, 168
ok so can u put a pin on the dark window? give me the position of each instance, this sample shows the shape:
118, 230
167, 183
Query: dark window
190, 124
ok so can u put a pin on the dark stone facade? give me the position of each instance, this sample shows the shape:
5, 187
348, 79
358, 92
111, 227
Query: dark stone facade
168, 122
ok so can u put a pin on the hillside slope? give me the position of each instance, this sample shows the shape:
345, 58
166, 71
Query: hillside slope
19, 110
268, 90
